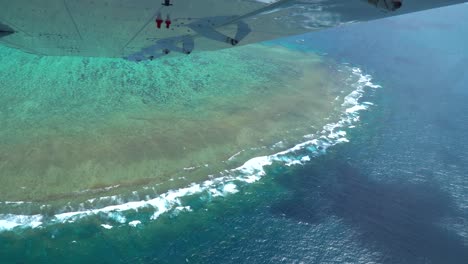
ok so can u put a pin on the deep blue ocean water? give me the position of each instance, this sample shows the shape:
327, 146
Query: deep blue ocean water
397, 193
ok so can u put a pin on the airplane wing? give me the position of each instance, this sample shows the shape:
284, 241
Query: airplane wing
148, 29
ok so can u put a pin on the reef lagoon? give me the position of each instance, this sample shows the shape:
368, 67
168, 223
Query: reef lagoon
81, 134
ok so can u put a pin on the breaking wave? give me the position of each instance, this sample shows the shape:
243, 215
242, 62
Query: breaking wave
223, 184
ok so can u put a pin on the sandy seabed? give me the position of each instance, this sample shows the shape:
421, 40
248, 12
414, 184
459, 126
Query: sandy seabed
72, 127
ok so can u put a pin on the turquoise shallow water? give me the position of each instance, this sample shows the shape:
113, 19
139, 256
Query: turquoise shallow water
396, 193
78, 128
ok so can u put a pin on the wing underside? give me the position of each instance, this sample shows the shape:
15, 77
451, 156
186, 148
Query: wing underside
149, 29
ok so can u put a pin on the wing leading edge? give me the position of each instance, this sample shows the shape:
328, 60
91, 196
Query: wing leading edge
147, 29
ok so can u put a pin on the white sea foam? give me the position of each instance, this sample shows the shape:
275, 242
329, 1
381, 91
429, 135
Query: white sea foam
10, 221
267, 1
14, 202
183, 208
230, 188
134, 223
235, 155
356, 108
7, 225
106, 226
228, 181
293, 162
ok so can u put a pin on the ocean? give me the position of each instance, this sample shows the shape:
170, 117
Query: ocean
383, 180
